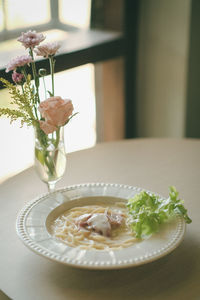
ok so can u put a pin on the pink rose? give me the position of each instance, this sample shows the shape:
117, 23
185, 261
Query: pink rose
46, 127
56, 112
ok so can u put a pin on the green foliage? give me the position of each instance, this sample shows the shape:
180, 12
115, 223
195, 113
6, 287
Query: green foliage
70, 118
147, 212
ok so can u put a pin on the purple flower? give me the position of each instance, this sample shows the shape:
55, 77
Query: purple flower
47, 49
19, 61
17, 77
30, 39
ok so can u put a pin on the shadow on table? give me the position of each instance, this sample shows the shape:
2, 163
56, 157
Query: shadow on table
4, 296
163, 277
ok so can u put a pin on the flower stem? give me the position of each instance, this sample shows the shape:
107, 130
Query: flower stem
52, 64
23, 70
57, 137
43, 154
22, 88
44, 87
35, 76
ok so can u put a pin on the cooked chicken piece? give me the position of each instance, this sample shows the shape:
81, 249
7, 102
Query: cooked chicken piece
115, 219
100, 222
82, 220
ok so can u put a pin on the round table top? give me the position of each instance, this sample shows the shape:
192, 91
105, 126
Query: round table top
152, 164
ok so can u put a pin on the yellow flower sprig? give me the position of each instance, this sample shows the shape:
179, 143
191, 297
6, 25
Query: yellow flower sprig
14, 115
23, 103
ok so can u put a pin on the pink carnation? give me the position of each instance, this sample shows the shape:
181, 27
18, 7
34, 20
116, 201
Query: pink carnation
47, 49
30, 39
19, 61
17, 77
56, 112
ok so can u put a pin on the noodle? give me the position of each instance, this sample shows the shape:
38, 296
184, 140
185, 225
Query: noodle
66, 228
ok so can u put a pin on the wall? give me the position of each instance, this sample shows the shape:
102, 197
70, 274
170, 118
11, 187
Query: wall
193, 77
162, 67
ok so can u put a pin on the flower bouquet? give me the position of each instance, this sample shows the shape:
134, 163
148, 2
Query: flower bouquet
48, 117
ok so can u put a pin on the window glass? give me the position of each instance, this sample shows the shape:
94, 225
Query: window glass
17, 144
77, 84
23, 13
75, 12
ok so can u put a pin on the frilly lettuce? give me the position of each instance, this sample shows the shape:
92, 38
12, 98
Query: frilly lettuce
148, 211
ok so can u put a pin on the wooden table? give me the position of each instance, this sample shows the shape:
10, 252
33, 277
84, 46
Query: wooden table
154, 164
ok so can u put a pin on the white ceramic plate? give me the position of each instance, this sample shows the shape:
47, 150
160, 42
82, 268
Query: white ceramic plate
34, 219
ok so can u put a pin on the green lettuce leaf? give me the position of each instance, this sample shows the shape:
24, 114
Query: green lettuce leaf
148, 211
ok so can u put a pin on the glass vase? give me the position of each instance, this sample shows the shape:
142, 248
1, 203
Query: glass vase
50, 156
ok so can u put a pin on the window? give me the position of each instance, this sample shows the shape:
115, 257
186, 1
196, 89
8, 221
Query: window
78, 15
82, 48
41, 15
18, 143
17, 13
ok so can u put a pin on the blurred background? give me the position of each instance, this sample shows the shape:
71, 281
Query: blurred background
131, 68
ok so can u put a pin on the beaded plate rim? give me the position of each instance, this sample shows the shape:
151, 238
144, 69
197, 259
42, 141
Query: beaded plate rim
98, 263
